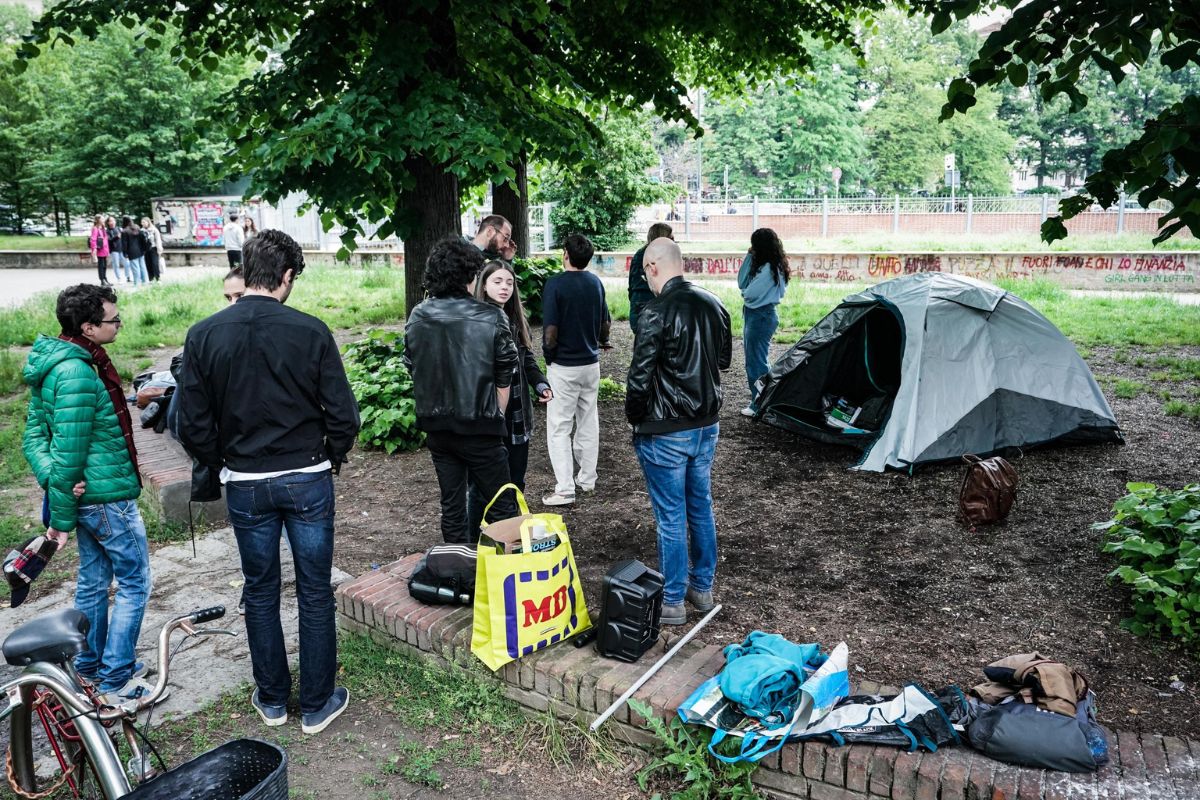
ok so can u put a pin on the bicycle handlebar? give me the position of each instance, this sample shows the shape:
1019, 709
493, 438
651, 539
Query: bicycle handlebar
164, 656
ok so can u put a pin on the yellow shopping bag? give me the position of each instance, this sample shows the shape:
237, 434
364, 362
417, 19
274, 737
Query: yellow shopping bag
526, 600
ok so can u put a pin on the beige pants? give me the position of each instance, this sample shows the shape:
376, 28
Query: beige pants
575, 390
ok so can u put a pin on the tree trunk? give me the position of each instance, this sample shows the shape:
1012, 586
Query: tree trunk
430, 213
513, 204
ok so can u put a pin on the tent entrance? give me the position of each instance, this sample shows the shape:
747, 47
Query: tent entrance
860, 368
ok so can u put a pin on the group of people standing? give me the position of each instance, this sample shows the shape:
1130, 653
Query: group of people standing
136, 251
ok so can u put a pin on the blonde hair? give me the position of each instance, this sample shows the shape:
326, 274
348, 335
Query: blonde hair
513, 308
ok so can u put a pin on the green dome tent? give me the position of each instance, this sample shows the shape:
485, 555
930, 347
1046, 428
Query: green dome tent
930, 367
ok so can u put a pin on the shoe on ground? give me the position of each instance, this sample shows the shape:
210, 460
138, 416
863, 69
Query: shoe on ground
586, 489
701, 601
135, 690
272, 716
242, 606
334, 706
673, 614
558, 499
748, 411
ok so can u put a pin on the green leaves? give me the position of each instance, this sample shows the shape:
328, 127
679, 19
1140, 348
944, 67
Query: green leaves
1155, 536
384, 390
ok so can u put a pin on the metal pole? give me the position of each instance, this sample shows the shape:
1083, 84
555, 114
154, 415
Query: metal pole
970, 210
896, 214
824, 216
700, 147
1121, 214
687, 217
648, 674
754, 213
1045, 205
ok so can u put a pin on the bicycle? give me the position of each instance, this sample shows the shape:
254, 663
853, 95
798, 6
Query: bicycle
81, 728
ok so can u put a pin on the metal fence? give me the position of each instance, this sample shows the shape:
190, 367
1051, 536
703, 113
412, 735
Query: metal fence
813, 217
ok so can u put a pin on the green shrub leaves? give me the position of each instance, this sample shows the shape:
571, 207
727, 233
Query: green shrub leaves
384, 390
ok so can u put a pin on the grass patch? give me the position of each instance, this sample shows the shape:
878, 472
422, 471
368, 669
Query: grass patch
1178, 369
1182, 408
1128, 389
56, 243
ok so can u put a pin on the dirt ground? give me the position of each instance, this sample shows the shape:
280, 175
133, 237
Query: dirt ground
819, 553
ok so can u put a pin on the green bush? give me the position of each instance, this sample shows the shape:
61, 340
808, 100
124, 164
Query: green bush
611, 390
384, 390
1155, 534
532, 274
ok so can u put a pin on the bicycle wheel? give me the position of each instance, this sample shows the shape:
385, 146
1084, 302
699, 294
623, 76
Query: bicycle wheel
46, 756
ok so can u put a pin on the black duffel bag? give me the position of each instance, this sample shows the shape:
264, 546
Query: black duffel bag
445, 575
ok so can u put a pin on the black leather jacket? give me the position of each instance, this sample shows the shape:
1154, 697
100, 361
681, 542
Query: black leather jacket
683, 341
459, 351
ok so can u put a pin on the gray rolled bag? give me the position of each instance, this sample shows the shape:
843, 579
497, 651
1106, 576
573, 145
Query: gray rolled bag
1021, 733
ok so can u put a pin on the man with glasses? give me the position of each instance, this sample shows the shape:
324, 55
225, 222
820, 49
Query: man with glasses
79, 444
494, 238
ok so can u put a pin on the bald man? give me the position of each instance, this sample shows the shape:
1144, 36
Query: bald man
673, 401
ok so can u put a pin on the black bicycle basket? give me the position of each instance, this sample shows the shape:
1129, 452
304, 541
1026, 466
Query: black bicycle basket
243, 769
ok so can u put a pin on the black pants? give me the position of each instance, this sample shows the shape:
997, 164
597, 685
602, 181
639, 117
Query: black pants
152, 264
235, 258
518, 461
461, 460
102, 269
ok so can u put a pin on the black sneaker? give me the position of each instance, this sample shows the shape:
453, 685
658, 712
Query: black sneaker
334, 706
242, 606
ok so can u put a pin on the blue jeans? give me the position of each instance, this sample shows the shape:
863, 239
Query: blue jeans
758, 326
112, 544
258, 511
678, 470
138, 267
120, 266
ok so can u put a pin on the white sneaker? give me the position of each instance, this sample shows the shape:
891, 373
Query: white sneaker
133, 691
748, 411
558, 499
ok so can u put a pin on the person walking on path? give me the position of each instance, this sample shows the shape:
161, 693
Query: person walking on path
235, 237
153, 250
763, 279
79, 444
497, 284
461, 355
265, 400
673, 401
135, 243
116, 250
639, 290
575, 327
98, 244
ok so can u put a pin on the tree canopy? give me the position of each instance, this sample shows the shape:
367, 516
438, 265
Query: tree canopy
1049, 44
379, 111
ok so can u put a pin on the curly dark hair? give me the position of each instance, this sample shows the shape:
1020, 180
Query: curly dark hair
452, 264
81, 304
766, 248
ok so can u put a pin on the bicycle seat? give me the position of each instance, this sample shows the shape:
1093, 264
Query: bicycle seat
54, 638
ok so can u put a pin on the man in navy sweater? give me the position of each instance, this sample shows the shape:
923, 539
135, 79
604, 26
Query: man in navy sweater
575, 324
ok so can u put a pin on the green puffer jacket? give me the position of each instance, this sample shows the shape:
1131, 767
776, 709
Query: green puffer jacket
72, 432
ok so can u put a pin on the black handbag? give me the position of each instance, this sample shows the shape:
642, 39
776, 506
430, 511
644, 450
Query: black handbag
206, 483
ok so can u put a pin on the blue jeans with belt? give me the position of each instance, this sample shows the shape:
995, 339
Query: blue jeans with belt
758, 326
112, 544
678, 470
258, 510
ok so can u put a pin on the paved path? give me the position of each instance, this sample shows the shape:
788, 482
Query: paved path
22, 284
204, 668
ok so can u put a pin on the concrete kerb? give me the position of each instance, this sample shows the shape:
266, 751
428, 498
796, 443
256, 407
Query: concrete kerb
576, 684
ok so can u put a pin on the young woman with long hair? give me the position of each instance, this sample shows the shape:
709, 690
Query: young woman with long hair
497, 284
154, 251
98, 244
763, 279
135, 243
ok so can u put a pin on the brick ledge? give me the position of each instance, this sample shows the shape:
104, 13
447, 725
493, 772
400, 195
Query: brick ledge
576, 683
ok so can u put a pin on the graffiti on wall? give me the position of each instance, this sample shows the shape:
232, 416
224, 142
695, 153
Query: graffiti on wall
1168, 271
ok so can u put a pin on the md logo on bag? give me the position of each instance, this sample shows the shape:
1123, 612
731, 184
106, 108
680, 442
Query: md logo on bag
545, 609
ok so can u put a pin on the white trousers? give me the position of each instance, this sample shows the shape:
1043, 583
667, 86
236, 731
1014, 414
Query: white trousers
575, 391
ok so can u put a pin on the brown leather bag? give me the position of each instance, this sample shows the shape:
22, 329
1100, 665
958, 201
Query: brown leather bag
988, 490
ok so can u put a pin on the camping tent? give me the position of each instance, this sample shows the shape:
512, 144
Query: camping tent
929, 367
